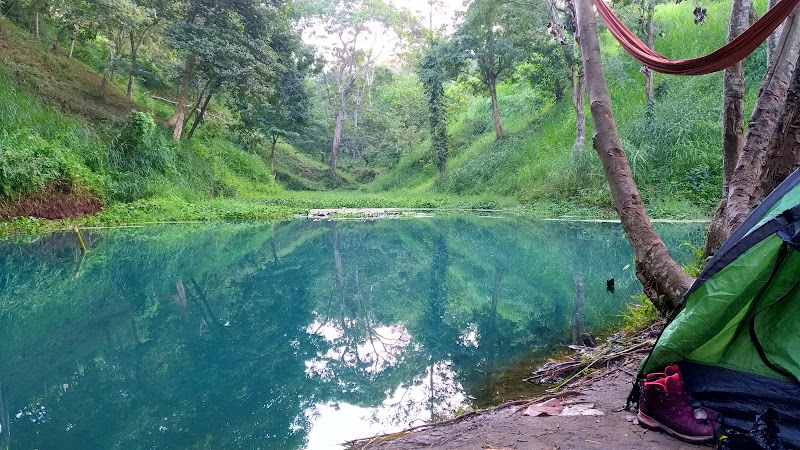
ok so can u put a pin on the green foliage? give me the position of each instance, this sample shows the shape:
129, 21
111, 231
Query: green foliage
697, 263
38, 145
639, 316
433, 78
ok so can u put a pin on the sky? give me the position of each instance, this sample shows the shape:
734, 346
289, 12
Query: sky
444, 13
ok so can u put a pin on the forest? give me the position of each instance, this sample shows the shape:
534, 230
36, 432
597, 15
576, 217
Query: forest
169, 105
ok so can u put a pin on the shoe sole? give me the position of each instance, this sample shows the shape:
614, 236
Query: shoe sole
649, 422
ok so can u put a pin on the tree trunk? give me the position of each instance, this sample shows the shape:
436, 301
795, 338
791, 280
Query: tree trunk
578, 93
763, 126
36, 25
196, 106
664, 282
772, 40
201, 114
577, 316
104, 83
8, 6
498, 128
785, 150
498, 278
337, 138
491, 82
134, 52
272, 156
732, 123
71, 43
177, 118
648, 74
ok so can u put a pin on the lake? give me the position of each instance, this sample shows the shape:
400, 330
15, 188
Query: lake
294, 335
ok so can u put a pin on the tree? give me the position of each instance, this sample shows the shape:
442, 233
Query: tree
486, 39
79, 19
356, 25
150, 14
743, 188
433, 78
115, 17
232, 45
281, 115
660, 275
571, 56
732, 118
655, 267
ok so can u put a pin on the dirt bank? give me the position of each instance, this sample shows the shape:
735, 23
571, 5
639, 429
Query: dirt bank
58, 200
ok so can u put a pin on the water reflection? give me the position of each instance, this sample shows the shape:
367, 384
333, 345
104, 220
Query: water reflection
295, 335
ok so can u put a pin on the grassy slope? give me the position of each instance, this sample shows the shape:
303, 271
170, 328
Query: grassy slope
54, 125
674, 151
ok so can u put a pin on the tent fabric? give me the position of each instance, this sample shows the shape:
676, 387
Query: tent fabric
739, 326
726, 56
785, 196
739, 397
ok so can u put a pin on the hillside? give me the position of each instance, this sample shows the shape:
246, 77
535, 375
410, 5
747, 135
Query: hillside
68, 150
674, 150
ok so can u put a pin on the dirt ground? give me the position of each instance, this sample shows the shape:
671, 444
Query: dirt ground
508, 428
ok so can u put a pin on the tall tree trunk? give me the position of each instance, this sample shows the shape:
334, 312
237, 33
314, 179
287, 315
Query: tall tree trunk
498, 128
337, 138
785, 148
134, 53
732, 123
491, 82
762, 128
196, 108
648, 33
498, 279
272, 156
107, 73
71, 43
201, 114
663, 280
578, 93
177, 118
577, 315
772, 40
36, 25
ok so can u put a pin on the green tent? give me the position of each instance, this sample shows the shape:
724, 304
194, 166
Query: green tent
736, 335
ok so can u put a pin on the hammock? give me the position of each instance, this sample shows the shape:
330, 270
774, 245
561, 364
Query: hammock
731, 53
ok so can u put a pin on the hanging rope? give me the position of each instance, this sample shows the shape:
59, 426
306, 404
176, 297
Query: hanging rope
731, 53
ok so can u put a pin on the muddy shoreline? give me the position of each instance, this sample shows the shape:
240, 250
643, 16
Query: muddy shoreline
507, 426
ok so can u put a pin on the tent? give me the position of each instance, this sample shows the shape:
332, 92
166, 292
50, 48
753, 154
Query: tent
736, 335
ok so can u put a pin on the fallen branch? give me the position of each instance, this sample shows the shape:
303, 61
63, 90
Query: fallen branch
615, 352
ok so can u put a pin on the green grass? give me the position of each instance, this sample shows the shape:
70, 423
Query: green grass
54, 127
281, 206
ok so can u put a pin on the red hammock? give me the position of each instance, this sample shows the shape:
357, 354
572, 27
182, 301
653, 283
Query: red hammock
733, 52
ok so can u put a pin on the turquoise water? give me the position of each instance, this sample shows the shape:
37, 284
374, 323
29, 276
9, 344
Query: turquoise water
296, 335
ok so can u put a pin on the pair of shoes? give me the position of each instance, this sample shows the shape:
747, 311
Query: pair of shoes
665, 404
